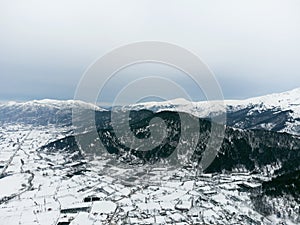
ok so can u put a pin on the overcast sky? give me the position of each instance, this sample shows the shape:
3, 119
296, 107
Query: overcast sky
45, 46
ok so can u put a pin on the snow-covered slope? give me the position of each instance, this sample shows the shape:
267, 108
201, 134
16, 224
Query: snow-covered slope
199, 109
278, 112
42, 112
289, 100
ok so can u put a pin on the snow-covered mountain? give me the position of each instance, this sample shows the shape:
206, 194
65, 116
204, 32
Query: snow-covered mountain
254, 178
42, 112
277, 112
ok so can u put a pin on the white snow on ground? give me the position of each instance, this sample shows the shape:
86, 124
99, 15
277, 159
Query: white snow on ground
12, 184
173, 197
103, 207
82, 218
35, 187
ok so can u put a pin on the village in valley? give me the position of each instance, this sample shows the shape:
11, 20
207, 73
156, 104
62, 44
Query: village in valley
44, 187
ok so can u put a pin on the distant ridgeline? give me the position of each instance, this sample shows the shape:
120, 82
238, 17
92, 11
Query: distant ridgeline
283, 116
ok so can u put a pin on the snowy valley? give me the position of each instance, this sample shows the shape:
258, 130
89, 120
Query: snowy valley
46, 179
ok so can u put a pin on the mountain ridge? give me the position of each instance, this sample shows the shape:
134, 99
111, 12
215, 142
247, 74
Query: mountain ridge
278, 112
43, 112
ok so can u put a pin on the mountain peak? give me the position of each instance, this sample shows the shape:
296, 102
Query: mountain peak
52, 103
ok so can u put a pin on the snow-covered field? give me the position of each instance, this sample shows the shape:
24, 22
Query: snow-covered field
48, 188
